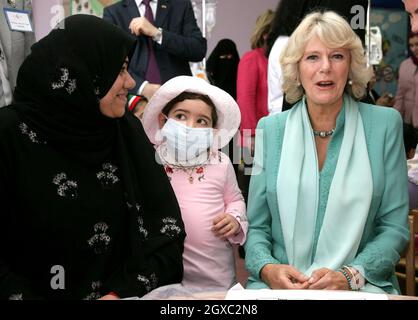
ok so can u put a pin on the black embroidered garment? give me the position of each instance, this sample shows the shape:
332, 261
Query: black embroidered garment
84, 207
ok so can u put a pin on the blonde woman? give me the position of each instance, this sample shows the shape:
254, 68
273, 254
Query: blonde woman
329, 208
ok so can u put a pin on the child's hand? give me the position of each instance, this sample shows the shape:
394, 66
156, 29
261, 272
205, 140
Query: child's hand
225, 225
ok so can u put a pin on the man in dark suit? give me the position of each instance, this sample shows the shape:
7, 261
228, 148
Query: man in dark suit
176, 39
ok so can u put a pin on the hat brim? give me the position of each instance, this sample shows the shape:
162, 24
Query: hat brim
229, 115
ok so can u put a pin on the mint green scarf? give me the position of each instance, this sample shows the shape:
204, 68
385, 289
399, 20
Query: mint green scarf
349, 196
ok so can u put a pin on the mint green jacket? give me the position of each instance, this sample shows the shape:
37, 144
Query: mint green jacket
386, 231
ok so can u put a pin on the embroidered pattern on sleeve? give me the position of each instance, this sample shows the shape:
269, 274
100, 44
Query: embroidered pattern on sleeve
33, 137
16, 296
142, 231
99, 242
66, 188
170, 227
70, 85
95, 293
150, 283
107, 176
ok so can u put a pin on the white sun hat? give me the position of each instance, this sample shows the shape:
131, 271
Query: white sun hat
229, 115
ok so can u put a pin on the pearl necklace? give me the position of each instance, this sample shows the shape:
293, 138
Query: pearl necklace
323, 134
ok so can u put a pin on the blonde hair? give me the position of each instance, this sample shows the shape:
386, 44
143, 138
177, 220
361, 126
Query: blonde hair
334, 32
262, 27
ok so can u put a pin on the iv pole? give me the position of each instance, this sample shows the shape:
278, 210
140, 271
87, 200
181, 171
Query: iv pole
368, 32
204, 28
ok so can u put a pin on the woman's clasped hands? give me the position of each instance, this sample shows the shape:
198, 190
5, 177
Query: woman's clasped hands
282, 276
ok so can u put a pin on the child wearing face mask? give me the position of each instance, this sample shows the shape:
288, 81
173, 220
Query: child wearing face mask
189, 120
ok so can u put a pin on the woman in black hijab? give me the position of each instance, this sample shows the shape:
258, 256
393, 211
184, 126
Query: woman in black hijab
85, 210
222, 66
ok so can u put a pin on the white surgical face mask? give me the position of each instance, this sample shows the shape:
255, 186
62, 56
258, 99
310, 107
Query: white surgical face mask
186, 143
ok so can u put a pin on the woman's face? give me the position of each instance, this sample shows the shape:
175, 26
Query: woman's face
193, 113
324, 73
413, 46
113, 104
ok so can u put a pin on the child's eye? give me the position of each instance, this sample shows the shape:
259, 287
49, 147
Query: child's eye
180, 116
202, 122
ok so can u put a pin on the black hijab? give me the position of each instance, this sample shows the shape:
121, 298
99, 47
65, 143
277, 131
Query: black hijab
223, 72
58, 90
60, 83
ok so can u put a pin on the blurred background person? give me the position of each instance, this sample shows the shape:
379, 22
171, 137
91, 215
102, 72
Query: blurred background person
252, 97
410, 135
373, 97
222, 70
222, 66
252, 91
406, 99
168, 39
